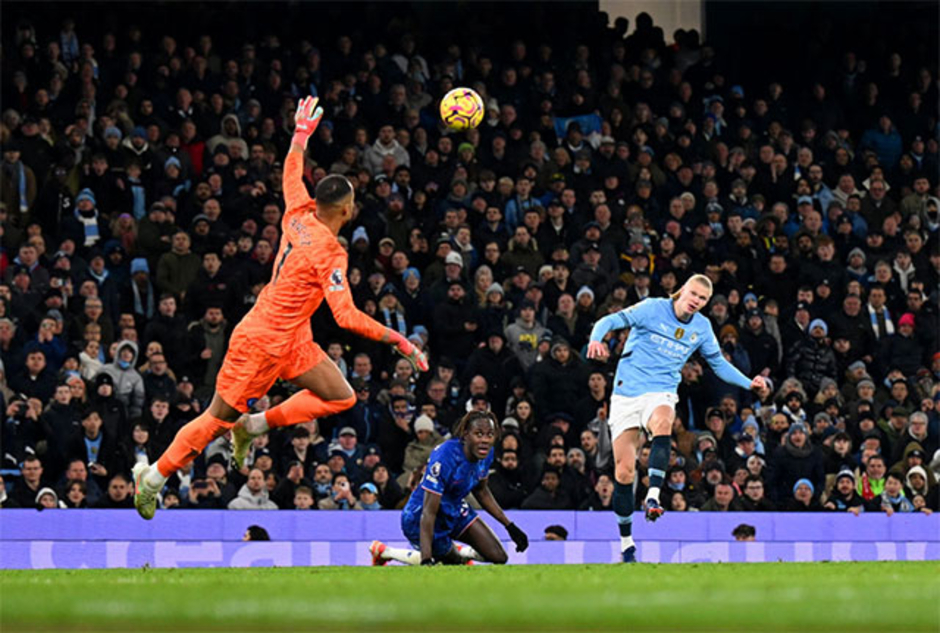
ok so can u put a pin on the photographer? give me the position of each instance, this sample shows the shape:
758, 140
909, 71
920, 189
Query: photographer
21, 430
204, 494
342, 497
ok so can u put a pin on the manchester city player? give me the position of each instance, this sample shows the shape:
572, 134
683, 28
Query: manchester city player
664, 333
436, 513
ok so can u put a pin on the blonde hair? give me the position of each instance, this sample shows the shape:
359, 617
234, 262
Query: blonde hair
699, 279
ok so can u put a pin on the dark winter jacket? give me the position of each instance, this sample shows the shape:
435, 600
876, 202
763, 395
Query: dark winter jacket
811, 361
791, 464
761, 349
498, 369
557, 387
542, 499
904, 352
452, 337
508, 488
743, 503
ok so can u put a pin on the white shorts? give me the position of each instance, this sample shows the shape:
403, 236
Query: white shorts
633, 413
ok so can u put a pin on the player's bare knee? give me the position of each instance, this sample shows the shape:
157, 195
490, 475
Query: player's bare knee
660, 426
625, 473
499, 557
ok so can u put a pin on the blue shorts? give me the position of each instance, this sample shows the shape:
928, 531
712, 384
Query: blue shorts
446, 529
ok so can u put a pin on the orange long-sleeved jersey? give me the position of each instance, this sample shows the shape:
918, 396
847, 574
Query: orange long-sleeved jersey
310, 267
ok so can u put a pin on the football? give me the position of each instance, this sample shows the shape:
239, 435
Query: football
462, 109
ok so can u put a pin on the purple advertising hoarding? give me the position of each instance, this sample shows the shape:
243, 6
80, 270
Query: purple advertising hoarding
73, 539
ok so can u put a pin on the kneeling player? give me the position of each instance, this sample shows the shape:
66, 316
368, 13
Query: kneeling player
436, 513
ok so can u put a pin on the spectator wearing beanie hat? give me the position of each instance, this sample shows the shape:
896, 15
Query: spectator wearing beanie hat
844, 497
760, 345
85, 226
856, 269
453, 271
812, 359
496, 313
902, 349
803, 498
796, 459
419, 449
113, 412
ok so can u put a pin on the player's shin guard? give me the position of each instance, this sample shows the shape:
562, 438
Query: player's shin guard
303, 407
659, 461
623, 508
190, 442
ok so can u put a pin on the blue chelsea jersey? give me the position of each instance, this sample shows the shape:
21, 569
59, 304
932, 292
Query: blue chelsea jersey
451, 475
658, 347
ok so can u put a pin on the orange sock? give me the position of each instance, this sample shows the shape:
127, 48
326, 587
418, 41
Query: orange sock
303, 407
190, 441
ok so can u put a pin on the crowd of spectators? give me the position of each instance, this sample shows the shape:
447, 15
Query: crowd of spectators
141, 200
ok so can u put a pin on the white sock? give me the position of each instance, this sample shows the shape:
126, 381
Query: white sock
626, 542
257, 423
468, 553
653, 494
153, 481
406, 556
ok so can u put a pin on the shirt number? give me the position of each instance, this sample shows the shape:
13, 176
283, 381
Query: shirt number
280, 265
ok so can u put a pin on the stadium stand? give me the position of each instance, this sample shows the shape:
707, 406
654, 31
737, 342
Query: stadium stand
141, 199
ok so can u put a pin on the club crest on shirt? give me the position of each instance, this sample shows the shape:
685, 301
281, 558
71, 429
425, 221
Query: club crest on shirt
693, 337
336, 280
434, 472
679, 333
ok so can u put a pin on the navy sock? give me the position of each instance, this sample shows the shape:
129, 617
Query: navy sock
623, 507
659, 460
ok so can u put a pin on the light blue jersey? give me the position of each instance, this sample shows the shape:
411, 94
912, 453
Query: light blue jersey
659, 346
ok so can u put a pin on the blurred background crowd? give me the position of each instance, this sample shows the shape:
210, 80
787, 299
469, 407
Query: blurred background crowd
140, 216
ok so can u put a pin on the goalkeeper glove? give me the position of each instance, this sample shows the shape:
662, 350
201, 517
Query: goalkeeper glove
306, 120
407, 349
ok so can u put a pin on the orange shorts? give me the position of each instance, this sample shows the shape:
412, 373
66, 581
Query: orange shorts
248, 371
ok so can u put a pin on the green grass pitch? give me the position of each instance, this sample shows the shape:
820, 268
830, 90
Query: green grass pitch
773, 597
